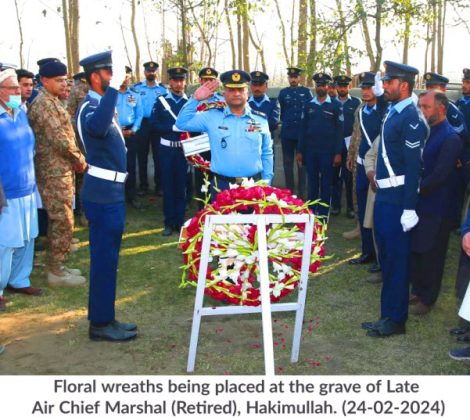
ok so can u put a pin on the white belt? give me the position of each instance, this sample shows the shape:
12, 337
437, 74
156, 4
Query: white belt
107, 174
170, 143
360, 160
394, 181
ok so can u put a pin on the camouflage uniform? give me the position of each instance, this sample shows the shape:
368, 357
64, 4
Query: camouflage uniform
57, 155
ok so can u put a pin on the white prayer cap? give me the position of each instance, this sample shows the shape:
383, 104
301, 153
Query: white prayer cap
5, 74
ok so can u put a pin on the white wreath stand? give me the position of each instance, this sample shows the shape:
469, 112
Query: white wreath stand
266, 307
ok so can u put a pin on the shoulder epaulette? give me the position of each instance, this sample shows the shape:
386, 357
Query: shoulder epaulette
206, 106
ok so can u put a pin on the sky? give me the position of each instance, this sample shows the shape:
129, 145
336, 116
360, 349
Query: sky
100, 30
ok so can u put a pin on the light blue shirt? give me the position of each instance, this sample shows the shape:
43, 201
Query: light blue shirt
129, 109
316, 101
240, 146
148, 95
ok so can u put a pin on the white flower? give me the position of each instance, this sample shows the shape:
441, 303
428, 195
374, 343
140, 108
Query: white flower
277, 289
233, 186
248, 182
252, 258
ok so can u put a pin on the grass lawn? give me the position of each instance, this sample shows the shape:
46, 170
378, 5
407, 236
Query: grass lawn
48, 335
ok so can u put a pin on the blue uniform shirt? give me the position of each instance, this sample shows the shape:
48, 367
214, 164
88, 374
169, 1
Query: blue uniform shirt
463, 104
149, 94
104, 144
349, 108
270, 107
404, 134
162, 122
291, 101
129, 109
321, 127
240, 146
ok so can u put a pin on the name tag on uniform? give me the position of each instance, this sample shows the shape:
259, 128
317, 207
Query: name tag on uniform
195, 145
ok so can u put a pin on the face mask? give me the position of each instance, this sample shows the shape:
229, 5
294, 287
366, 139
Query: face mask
14, 102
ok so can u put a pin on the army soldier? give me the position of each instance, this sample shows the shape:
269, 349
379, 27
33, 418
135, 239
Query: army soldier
291, 100
130, 114
320, 141
435, 207
172, 161
57, 158
403, 134
240, 141
149, 90
77, 94
341, 174
103, 193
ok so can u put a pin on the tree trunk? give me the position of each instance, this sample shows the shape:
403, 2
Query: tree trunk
147, 41
259, 50
230, 32
406, 38
283, 33
378, 29
136, 41
65, 15
20, 29
74, 16
366, 34
344, 37
302, 38
312, 53
292, 50
246, 35
433, 39
239, 41
125, 43
441, 36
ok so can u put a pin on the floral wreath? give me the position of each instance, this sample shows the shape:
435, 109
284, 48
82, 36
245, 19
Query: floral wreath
233, 261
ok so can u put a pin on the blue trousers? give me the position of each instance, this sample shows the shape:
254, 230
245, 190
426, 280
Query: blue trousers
394, 253
289, 149
106, 226
320, 176
342, 175
362, 187
16, 265
132, 145
174, 169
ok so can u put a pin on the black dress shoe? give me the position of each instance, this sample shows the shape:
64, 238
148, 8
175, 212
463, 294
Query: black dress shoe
363, 259
464, 338
385, 328
464, 329
176, 228
370, 325
126, 326
374, 268
110, 332
167, 231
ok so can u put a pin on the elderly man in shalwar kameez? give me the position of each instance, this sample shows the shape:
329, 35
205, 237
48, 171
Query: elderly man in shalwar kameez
18, 217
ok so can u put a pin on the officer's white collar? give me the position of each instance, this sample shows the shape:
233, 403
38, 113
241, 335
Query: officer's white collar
263, 99
327, 100
95, 95
400, 106
170, 95
338, 98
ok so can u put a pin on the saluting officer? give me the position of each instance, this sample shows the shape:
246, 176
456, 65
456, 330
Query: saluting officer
341, 173
207, 74
369, 119
402, 139
320, 141
149, 90
174, 167
103, 193
130, 114
291, 100
240, 141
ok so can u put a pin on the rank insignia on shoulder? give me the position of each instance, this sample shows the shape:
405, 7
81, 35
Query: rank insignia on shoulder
206, 106
260, 113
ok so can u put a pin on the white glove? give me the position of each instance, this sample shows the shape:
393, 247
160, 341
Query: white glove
119, 71
409, 219
378, 87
